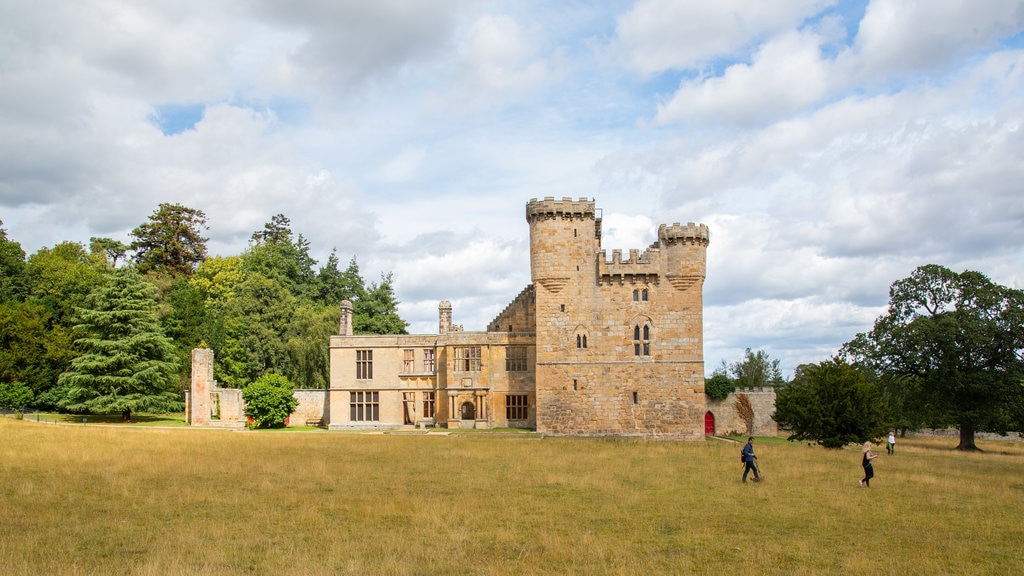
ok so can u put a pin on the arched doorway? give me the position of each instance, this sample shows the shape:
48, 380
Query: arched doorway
709, 424
467, 411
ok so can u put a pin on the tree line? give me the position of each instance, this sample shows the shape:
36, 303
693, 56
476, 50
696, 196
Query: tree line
949, 352
109, 328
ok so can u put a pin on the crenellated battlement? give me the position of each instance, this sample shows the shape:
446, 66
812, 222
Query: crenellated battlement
689, 234
647, 263
564, 208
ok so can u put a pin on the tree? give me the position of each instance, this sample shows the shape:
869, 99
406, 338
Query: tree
171, 241
12, 268
719, 386
956, 341
377, 312
127, 363
15, 396
33, 349
832, 403
332, 285
757, 369
109, 249
274, 254
269, 401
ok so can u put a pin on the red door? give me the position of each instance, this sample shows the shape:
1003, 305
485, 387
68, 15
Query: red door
709, 424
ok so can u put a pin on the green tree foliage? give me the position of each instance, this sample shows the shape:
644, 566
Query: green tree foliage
61, 279
956, 341
832, 403
33, 350
273, 253
172, 241
15, 396
127, 364
332, 285
377, 312
269, 401
718, 386
12, 268
108, 249
757, 369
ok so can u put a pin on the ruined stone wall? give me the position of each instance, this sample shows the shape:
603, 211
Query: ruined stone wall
729, 423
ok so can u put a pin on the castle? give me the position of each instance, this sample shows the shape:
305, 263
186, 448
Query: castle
593, 346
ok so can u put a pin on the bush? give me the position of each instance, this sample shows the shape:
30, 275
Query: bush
269, 401
718, 386
15, 396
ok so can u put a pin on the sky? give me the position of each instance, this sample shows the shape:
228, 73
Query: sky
831, 146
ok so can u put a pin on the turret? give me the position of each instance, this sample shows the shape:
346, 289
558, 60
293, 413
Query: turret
685, 249
345, 329
444, 317
564, 237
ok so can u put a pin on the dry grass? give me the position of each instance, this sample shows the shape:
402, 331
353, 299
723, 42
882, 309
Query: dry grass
113, 500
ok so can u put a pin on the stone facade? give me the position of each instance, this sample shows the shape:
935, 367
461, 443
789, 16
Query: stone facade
594, 346
722, 418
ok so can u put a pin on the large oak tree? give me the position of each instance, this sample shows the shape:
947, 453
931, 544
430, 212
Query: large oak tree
957, 342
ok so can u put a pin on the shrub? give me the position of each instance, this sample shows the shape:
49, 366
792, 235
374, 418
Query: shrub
15, 396
269, 401
718, 386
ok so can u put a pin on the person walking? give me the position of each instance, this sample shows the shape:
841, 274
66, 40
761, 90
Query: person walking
869, 470
892, 443
749, 464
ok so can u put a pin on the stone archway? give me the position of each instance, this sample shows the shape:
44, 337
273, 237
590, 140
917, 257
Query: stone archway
467, 411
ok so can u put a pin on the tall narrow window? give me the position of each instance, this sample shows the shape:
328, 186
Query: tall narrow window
643, 294
467, 359
364, 406
428, 360
428, 404
409, 360
636, 295
515, 359
581, 341
364, 364
642, 340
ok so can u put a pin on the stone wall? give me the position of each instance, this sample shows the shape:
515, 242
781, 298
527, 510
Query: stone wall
728, 422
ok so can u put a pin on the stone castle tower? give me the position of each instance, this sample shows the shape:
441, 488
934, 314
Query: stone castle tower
619, 342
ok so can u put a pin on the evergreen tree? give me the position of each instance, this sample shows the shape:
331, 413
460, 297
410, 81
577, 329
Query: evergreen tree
377, 312
274, 254
172, 240
833, 403
127, 363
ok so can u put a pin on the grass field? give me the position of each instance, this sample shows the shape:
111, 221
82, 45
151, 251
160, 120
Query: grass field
99, 499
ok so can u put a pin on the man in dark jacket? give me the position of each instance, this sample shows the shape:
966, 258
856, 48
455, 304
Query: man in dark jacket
749, 461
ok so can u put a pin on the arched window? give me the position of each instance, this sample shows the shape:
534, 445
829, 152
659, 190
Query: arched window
642, 340
643, 295
636, 295
581, 341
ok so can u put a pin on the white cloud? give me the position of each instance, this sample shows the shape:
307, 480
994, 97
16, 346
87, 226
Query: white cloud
658, 35
412, 135
786, 74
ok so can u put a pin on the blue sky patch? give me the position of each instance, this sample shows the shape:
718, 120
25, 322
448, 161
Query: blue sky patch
176, 118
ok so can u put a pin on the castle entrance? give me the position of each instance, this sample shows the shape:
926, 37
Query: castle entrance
467, 411
709, 424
